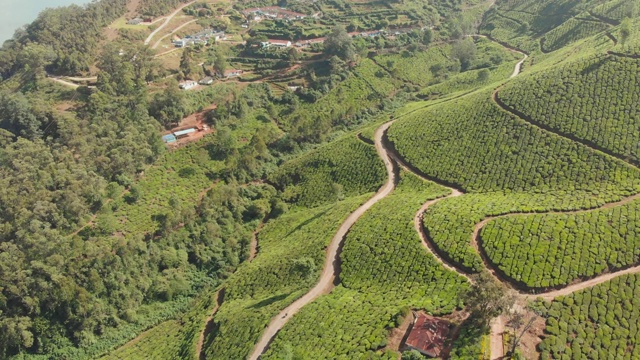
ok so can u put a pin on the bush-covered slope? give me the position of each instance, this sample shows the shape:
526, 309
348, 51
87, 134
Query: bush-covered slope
385, 269
290, 259
345, 167
597, 323
474, 144
588, 99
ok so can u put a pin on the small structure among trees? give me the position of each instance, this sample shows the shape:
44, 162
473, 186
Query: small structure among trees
428, 335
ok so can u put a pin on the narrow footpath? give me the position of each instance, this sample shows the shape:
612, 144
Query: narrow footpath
326, 282
166, 22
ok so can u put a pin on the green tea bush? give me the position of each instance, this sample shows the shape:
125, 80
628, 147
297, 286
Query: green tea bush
596, 323
345, 167
589, 99
450, 222
385, 270
571, 31
473, 144
555, 249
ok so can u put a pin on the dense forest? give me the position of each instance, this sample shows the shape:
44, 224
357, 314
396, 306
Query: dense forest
194, 249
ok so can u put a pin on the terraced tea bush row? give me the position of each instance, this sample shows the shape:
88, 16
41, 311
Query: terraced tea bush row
450, 222
473, 144
596, 323
260, 289
508, 31
547, 13
385, 271
618, 9
589, 99
554, 249
346, 167
571, 31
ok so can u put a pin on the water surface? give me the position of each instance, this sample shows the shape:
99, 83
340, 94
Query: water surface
16, 13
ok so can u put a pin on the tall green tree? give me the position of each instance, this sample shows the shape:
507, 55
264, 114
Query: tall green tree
339, 43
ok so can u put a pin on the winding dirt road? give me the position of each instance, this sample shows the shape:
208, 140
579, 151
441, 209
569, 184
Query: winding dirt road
173, 32
326, 282
548, 295
166, 22
498, 324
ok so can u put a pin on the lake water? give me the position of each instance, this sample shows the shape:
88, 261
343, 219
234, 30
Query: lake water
16, 13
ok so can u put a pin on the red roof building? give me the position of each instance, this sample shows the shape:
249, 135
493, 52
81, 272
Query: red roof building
428, 335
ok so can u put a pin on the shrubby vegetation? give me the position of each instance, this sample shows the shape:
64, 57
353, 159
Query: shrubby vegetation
158, 7
595, 323
344, 168
172, 339
450, 222
472, 343
259, 290
359, 94
549, 250
479, 147
385, 271
589, 100
65, 39
571, 31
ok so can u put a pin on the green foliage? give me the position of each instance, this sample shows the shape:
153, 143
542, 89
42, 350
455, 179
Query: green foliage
472, 343
172, 339
385, 269
555, 249
588, 99
72, 33
479, 147
360, 93
339, 43
260, 289
617, 10
312, 178
595, 323
450, 222
158, 7
571, 31
422, 68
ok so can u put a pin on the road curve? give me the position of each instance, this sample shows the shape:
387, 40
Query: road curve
417, 222
548, 295
173, 32
518, 68
166, 22
326, 282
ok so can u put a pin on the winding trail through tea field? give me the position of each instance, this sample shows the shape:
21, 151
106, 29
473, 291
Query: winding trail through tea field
330, 271
331, 266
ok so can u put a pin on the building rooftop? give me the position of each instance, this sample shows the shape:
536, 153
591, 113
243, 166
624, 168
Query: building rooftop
428, 335
184, 132
169, 138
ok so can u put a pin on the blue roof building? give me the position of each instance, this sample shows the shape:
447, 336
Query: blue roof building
169, 138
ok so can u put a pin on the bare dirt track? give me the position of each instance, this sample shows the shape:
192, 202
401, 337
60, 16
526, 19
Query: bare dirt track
208, 327
157, 43
166, 22
326, 282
